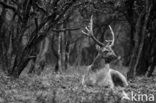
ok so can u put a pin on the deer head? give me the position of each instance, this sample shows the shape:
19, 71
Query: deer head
105, 51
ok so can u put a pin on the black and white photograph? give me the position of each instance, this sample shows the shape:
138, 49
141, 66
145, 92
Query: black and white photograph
77, 51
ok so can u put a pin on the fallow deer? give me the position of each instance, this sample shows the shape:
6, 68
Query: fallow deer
99, 72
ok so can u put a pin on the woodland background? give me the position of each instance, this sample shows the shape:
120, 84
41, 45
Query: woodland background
41, 35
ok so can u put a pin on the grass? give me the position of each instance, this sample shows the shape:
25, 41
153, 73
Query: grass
64, 88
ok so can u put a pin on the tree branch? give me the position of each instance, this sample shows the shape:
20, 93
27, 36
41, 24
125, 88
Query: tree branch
65, 29
40, 8
8, 6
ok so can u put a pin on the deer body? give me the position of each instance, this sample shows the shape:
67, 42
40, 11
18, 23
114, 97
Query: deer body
100, 73
98, 78
106, 77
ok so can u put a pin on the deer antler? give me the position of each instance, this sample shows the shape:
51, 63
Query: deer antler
90, 33
113, 37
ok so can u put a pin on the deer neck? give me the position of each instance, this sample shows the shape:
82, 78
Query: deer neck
107, 66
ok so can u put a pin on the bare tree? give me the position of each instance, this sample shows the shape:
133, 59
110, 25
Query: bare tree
26, 16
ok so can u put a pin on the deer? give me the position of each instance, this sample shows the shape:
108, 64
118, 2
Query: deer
99, 72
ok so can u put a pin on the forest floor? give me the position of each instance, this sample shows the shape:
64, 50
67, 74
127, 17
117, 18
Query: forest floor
67, 88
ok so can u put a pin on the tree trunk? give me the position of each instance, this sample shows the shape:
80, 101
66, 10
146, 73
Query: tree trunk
138, 50
132, 69
59, 54
40, 61
63, 47
143, 32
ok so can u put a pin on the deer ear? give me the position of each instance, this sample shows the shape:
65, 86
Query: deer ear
98, 47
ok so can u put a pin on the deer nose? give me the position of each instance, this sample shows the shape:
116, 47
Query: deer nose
114, 57
112, 54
